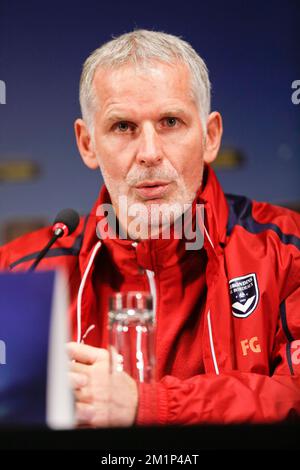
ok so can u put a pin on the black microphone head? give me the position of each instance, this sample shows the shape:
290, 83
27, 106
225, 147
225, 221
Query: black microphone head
68, 217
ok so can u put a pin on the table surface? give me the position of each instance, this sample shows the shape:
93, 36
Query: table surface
281, 436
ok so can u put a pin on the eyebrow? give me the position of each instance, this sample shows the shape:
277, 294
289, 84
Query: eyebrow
172, 112
113, 117
119, 116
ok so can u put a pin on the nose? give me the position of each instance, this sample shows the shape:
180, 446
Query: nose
149, 151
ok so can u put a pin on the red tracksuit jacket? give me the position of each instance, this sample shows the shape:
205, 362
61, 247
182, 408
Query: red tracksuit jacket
228, 315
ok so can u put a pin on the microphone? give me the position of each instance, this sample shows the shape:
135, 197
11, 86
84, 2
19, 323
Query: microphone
65, 223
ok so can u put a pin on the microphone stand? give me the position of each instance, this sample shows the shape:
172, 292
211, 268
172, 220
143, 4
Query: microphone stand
58, 232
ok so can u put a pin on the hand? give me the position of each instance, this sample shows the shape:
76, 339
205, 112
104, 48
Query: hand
102, 399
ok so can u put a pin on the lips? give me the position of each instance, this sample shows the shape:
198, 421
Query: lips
152, 189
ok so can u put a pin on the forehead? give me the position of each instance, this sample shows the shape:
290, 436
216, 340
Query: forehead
152, 84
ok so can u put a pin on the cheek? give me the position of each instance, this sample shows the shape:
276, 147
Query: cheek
192, 175
112, 159
113, 169
186, 155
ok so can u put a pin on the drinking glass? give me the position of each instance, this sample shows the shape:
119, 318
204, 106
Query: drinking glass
132, 335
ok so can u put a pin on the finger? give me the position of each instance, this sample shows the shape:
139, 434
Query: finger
83, 395
79, 368
77, 380
116, 359
85, 413
86, 354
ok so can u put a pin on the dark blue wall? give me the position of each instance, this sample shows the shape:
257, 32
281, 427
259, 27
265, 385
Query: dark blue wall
252, 50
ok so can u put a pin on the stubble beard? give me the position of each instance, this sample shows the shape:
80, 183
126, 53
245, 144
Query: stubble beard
169, 210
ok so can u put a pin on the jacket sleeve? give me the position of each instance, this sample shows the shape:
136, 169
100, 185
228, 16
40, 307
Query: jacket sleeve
18, 254
233, 397
16, 249
13, 251
5, 258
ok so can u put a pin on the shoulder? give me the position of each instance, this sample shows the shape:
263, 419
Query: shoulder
263, 219
24, 249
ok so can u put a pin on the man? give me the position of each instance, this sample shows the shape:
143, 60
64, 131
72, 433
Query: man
228, 322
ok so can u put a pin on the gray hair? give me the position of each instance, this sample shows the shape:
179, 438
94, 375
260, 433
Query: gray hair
140, 47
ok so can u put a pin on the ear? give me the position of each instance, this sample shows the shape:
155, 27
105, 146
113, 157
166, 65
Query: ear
85, 144
213, 137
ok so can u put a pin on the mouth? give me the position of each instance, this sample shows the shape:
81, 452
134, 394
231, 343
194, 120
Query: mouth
152, 189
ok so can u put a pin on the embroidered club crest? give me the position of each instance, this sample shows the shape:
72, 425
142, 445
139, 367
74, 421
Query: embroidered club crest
244, 295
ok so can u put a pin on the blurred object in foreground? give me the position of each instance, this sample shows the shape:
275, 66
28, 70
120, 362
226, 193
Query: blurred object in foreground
34, 383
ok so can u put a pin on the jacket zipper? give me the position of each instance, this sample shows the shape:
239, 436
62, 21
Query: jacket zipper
211, 343
152, 286
80, 291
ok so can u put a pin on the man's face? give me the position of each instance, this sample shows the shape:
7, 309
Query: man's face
148, 138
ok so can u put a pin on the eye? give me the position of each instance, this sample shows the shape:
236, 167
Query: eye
124, 127
170, 121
